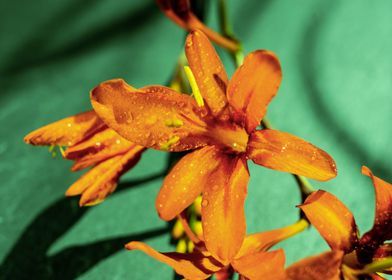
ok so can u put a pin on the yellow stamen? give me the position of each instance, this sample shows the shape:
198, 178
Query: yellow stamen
174, 123
193, 84
191, 246
167, 145
177, 230
181, 246
62, 151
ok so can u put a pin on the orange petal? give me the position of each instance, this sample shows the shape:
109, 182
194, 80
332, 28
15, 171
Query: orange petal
102, 145
253, 86
155, 117
101, 180
66, 132
285, 152
261, 265
223, 216
208, 70
332, 219
325, 266
264, 240
192, 266
186, 181
382, 228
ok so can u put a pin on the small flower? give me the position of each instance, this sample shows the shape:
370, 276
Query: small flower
181, 13
251, 261
351, 255
90, 143
219, 124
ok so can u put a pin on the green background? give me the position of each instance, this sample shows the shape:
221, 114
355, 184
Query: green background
336, 93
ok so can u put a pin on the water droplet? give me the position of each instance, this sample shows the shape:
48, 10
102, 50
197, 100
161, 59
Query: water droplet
98, 144
160, 205
204, 203
69, 124
118, 141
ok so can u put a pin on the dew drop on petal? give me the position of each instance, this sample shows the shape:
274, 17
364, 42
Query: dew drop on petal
204, 203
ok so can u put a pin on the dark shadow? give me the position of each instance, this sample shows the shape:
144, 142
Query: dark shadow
317, 97
130, 23
28, 258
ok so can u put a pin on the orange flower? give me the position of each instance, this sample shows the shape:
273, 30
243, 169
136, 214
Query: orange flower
251, 261
181, 13
351, 255
220, 125
89, 143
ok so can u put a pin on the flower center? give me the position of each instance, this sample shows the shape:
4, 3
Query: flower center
231, 137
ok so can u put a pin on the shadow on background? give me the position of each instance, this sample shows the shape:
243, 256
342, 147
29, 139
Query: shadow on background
28, 258
315, 93
22, 60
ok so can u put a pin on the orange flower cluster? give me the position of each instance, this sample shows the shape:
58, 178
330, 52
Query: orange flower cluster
90, 143
219, 125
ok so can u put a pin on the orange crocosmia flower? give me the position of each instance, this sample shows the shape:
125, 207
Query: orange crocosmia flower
352, 256
219, 124
90, 143
251, 261
180, 12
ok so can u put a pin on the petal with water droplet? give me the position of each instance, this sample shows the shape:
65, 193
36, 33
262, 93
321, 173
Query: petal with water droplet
326, 266
285, 152
186, 181
208, 70
130, 113
262, 265
382, 228
190, 265
223, 217
101, 180
102, 145
67, 131
252, 87
332, 219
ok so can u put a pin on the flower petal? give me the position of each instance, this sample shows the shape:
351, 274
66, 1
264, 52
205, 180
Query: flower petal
101, 180
332, 219
252, 87
177, 10
262, 241
192, 265
208, 70
186, 181
262, 265
155, 117
102, 145
382, 228
223, 216
383, 220
285, 152
67, 131
325, 266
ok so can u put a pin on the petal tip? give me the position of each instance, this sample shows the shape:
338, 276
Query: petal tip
366, 171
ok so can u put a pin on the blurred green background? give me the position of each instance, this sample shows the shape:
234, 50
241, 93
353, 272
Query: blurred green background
336, 93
